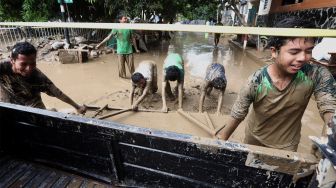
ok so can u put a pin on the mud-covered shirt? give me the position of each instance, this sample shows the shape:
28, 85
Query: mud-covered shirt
146, 69
215, 70
17, 89
124, 37
275, 117
174, 59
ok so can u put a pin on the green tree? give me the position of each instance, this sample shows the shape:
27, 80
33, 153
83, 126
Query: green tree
8, 10
37, 10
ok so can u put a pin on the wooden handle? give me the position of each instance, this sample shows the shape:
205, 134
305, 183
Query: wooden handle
100, 110
90, 107
209, 121
193, 120
114, 113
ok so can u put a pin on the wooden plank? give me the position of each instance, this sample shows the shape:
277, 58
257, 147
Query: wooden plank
40, 177
75, 183
30, 173
49, 180
7, 167
11, 176
62, 181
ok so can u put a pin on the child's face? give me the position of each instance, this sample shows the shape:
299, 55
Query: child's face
123, 19
294, 54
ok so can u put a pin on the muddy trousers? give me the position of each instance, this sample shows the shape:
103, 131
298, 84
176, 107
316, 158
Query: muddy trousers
127, 59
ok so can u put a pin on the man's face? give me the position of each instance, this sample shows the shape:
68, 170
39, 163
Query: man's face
141, 83
24, 64
294, 54
123, 19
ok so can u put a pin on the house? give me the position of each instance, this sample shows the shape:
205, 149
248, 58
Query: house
322, 12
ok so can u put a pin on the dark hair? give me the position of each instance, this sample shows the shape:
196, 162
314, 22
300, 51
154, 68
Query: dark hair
218, 83
289, 22
136, 77
122, 14
24, 48
172, 73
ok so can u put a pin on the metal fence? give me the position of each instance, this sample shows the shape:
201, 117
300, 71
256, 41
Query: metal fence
9, 35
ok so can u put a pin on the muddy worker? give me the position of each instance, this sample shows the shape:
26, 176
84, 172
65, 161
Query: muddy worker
173, 70
145, 79
280, 93
124, 47
22, 83
214, 78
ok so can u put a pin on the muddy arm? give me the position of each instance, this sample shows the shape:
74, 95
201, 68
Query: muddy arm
327, 120
132, 94
204, 87
105, 40
144, 93
135, 44
220, 102
180, 94
80, 109
226, 132
164, 104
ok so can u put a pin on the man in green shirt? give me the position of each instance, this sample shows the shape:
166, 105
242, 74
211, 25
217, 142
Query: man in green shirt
124, 47
280, 92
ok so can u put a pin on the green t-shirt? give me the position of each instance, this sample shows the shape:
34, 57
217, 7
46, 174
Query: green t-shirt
174, 59
124, 37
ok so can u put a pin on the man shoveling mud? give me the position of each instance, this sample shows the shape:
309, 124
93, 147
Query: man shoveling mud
145, 79
22, 83
173, 70
124, 47
280, 93
214, 78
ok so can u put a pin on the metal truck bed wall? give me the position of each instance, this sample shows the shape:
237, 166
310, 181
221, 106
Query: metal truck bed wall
131, 156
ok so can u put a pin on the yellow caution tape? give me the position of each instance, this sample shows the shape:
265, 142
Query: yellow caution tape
295, 32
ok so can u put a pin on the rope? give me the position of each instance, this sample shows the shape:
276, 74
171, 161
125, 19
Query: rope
294, 32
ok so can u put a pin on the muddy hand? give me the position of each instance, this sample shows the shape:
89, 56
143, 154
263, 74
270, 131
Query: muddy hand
81, 109
135, 107
97, 47
164, 109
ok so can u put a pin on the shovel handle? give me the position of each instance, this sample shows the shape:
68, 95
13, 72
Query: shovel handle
114, 113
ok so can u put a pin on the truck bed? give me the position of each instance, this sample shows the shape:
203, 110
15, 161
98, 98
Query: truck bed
34, 143
20, 173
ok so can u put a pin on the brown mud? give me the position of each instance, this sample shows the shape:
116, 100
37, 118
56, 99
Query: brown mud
97, 83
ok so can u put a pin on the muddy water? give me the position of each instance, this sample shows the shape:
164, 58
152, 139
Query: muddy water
97, 83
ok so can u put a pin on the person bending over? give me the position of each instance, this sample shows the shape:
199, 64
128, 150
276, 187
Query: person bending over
145, 79
214, 78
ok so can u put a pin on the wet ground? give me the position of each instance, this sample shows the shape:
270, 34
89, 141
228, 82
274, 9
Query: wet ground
97, 83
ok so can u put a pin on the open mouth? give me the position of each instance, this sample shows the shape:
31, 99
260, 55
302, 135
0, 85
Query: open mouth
296, 67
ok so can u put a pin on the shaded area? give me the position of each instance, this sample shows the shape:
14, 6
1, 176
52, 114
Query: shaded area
19, 173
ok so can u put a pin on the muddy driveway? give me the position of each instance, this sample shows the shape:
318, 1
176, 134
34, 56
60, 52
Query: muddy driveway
97, 83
